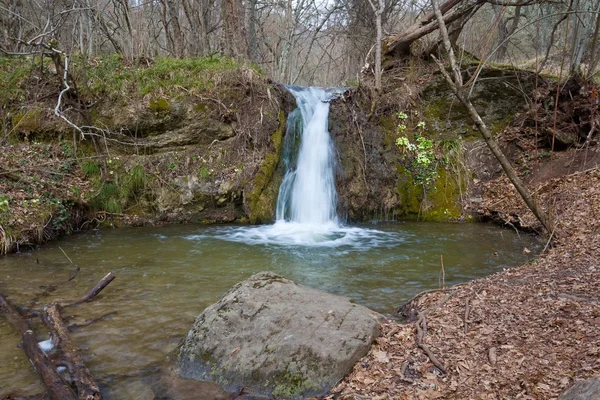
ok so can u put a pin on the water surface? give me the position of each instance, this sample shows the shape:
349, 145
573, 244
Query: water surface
167, 275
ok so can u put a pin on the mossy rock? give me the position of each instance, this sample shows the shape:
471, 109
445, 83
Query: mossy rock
262, 198
274, 337
497, 95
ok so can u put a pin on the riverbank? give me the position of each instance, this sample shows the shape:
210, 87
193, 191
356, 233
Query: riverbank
527, 332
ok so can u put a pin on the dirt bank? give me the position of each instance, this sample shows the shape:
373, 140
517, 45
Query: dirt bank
524, 333
165, 141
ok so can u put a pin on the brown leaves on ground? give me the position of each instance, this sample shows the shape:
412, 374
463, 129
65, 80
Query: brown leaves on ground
35, 181
524, 333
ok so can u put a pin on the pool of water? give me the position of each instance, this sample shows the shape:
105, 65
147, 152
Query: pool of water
167, 275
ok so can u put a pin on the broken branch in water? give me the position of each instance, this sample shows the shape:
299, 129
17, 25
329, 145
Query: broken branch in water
86, 387
56, 387
94, 291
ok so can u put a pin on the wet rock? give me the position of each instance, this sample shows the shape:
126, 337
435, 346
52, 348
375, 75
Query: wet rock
275, 337
583, 390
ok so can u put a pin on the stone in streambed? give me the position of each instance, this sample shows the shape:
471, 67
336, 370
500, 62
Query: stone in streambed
277, 338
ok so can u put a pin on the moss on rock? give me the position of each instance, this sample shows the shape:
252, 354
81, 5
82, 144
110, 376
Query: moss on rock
263, 196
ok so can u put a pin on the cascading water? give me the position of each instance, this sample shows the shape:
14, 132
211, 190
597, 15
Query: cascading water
306, 205
307, 194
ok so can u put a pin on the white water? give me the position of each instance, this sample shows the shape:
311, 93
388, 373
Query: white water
312, 191
306, 205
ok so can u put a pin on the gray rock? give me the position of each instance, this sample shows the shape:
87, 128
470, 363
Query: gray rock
583, 390
277, 338
195, 133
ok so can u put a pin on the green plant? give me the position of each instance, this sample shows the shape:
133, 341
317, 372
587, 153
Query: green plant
422, 161
204, 173
4, 201
90, 168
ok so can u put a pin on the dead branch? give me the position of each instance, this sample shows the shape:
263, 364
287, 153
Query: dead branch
421, 330
56, 387
87, 389
94, 291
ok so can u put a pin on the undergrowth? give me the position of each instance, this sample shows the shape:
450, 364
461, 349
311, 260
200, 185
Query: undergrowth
113, 76
117, 188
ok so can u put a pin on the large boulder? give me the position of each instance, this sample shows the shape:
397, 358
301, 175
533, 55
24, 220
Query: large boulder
277, 338
583, 390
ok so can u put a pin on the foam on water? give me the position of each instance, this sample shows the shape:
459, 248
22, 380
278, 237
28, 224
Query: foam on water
292, 234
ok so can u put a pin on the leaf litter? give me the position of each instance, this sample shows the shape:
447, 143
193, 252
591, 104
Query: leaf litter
523, 333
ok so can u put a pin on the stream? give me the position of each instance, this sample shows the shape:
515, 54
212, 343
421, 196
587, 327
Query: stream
167, 275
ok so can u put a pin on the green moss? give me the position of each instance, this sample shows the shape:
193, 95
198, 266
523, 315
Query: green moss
261, 199
159, 105
290, 384
27, 120
443, 199
440, 202
389, 126
409, 193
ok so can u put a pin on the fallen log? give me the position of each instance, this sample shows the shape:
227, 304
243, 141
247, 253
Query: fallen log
87, 389
56, 387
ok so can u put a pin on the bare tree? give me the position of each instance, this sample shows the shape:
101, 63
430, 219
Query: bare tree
456, 84
378, 10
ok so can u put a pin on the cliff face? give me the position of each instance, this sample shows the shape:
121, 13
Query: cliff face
412, 149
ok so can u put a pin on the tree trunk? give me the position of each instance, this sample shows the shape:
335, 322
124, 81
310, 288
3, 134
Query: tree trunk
233, 30
378, 10
399, 45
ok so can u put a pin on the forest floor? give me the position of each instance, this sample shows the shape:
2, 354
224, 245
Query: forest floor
523, 333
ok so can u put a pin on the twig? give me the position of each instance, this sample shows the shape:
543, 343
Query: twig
549, 240
424, 292
89, 322
492, 355
467, 312
421, 329
71, 261
94, 291
443, 272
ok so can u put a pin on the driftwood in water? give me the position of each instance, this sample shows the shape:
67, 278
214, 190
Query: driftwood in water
57, 388
95, 290
86, 387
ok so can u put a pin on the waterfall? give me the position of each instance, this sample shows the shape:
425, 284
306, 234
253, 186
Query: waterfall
306, 205
307, 194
